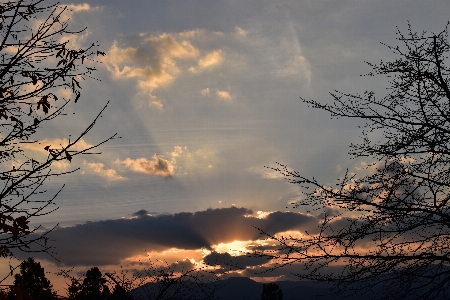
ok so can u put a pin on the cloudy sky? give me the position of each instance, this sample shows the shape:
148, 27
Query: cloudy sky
205, 94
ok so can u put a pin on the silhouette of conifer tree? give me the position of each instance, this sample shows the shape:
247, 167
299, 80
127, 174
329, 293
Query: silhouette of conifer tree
271, 291
32, 280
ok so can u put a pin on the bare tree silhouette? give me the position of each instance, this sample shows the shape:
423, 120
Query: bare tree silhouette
166, 282
389, 225
155, 280
40, 75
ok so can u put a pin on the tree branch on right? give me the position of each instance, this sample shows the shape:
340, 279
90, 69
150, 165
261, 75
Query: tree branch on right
386, 228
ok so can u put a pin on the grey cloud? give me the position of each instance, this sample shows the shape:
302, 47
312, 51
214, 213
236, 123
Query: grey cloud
158, 166
228, 262
179, 266
161, 166
109, 241
152, 270
288, 272
140, 213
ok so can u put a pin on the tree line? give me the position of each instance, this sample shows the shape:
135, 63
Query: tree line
31, 283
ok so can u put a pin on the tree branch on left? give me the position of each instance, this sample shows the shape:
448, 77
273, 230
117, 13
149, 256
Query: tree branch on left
40, 74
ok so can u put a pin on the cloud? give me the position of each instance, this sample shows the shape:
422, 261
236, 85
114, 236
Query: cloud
181, 161
184, 265
210, 61
152, 60
224, 95
297, 65
205, 92
62, 165
74, 41
240, 32
69, 11
57, 144
99, 168
226, 261
289, 271
111, 241
158, 104
158, 166
78, 7
200, 161
265, 172
140, 213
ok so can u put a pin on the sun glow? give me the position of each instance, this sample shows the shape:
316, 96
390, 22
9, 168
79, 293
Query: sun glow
169, 256
233, 247
237, 248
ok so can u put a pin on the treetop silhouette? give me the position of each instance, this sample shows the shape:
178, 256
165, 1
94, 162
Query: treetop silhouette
33, 281
271, 291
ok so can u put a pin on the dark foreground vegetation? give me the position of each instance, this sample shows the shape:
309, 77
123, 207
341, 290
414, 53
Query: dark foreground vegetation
149, 284
161, 283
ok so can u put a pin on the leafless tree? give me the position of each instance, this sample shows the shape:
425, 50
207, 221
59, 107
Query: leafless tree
154, 280
38, 70
161, 281
387, 227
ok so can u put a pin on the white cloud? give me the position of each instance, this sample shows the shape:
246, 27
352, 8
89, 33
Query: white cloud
205, 92
78, 7
57, 144
200, 161
209, 61
75, 41
62, 165
99, 168
240, 32
224, 95
157, 104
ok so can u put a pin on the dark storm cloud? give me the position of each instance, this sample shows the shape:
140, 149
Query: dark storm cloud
151, 269
140, 213
109, 241
228, 262
288, 271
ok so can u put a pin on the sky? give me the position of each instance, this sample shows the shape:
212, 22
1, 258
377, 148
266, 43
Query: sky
205, 95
